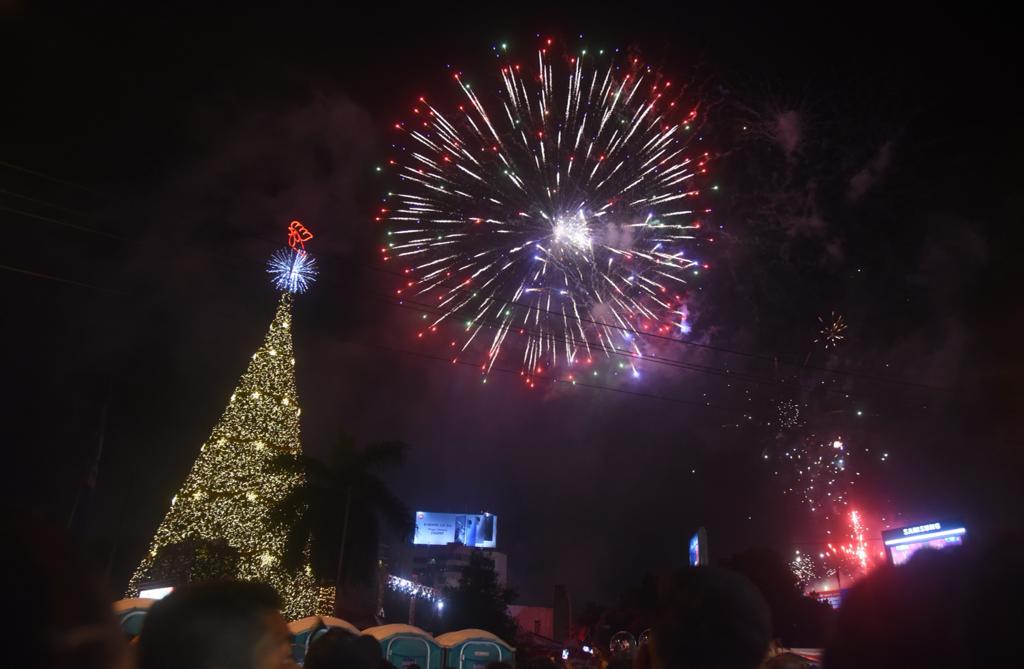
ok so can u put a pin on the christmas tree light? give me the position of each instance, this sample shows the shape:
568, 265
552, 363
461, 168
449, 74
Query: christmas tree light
235, 482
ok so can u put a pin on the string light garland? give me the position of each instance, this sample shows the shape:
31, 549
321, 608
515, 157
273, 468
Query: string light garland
407, 587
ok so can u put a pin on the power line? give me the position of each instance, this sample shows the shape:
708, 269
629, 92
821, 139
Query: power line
552, 380
774, 359
58, 279
738, 377
45, 203
76, 226
624, 353
41, 175
528, 307
617, 327
538, 376
721, 349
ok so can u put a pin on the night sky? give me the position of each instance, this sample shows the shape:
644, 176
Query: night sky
149, 164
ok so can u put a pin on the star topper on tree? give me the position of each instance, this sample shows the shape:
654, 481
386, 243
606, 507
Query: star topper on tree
293, 269
298, 235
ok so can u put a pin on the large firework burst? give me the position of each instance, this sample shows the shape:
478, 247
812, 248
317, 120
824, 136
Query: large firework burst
561, 208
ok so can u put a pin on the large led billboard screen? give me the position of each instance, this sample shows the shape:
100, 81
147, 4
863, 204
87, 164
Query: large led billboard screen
699, 548
902, 542
479, 530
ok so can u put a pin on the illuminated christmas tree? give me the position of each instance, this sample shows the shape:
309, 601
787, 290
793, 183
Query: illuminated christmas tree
237, 480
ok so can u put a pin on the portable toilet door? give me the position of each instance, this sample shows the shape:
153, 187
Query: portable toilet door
307, 630
405, 650
404, 645
474, 649
130, 613
478, 654
301, 631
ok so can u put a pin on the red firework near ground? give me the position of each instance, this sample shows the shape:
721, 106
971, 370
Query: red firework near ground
854, 552
838, 564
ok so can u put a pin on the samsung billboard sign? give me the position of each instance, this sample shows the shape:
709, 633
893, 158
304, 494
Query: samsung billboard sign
478, 530
901, 543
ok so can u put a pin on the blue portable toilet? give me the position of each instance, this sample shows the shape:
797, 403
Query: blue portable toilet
307, 630
403, 645
474, 649
130, 613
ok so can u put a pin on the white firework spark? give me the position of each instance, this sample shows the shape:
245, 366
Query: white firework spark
292, 270
821, 473
563, 210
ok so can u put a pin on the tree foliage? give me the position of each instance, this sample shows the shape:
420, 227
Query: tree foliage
194, 560
342, 496
480, 601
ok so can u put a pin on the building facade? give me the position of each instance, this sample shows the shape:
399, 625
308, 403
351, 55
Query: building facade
537, 620
440, 567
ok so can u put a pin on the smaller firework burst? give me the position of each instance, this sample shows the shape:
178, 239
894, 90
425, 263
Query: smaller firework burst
292, 270
788, 415
819, 473
803, 568
810, 568
832, 331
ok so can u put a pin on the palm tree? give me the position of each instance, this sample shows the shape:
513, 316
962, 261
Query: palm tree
337, 514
